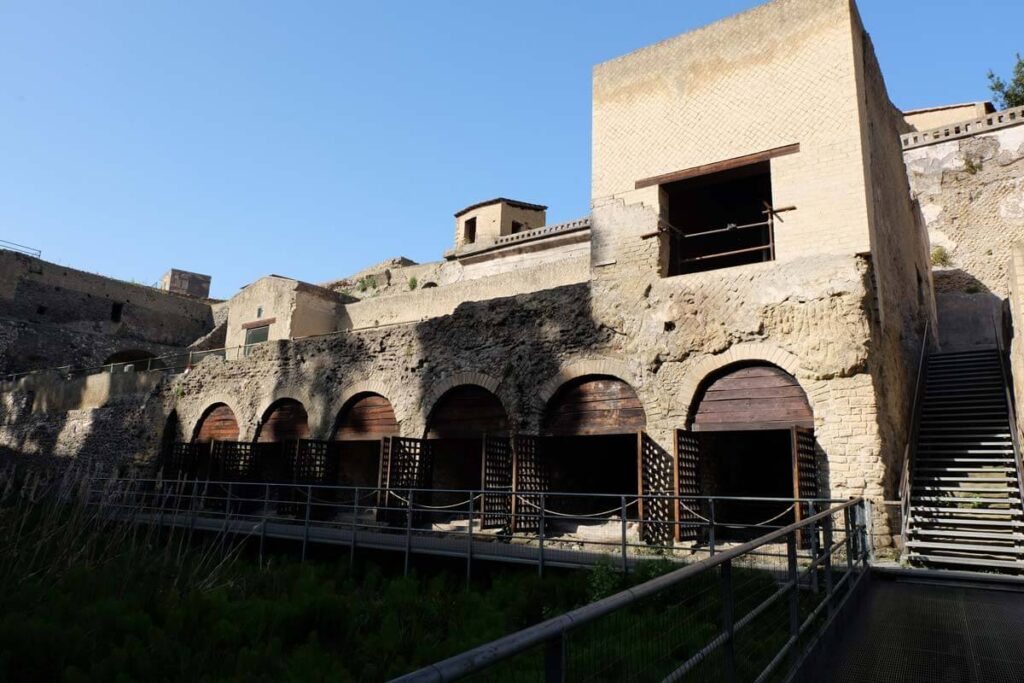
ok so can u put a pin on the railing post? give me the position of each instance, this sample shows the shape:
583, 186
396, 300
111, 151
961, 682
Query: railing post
305, 525
813, 531
408, 532
794, 596
263, 526
848, 527
625, 564
728, 622
554, 659
711, 528
868, 533
540, 528
826, 526
355, 517
469, 542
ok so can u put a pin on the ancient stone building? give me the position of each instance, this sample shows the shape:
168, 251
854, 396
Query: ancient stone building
739, 314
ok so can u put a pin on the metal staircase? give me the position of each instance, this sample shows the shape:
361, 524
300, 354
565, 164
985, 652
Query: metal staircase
965, 481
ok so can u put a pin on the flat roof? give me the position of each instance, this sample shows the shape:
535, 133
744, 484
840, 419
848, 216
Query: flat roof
510, 202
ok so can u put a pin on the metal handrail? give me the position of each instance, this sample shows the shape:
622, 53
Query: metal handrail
20, 248
142, 365
911, 447
1011, 412
554, 630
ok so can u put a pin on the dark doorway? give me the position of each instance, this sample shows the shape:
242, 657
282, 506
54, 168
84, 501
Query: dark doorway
720, 219
748, 464
592, 465
456, 429
362, 423
591, 426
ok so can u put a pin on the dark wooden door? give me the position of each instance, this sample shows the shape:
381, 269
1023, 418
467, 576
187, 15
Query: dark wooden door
530, 479
496, 507
656, 478
688, 484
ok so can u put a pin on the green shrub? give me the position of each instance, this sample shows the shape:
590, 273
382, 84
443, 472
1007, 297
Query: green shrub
413, 283
941, 257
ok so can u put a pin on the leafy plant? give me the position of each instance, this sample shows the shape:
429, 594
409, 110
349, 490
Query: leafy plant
1008, 94
413, 283
941, 257
972, 164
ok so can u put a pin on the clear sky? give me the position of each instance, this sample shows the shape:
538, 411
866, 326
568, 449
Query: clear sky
315, 138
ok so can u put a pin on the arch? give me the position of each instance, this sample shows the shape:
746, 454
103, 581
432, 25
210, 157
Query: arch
591, 366
467, 411
750, 395
592, 405
217, 423
753, 352
458, 379
365, 416
284, 420
138, 357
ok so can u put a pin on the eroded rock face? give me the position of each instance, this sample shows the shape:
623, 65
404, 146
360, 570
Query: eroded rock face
971, 193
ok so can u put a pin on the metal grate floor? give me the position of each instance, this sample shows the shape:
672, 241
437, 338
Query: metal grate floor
906, 631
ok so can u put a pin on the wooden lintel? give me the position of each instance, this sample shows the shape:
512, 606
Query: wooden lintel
259, 323
717, 166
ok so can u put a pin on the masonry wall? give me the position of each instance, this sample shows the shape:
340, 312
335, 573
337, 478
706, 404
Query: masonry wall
53, 315
901, 282
971, 192
780, 74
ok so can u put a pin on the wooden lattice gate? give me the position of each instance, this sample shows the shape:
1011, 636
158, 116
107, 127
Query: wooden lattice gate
657, 478
530, 479
496, 502
805, 473
183, 460
405, 464
688, 478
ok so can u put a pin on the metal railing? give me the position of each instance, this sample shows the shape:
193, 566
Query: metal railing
174, 362
20, 248
723, 618
909, 450
548, 529
1010, 406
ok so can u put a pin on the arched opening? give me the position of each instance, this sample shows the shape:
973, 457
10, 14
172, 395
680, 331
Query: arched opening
591, 427
217, 423
753, 427
457, 429
133, 360
217, 430
363, 421
283, 425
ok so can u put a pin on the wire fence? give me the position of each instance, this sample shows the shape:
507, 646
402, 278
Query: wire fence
748, 614
175, 362
547, 530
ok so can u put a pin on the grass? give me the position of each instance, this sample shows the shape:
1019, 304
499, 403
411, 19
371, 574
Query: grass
84, 598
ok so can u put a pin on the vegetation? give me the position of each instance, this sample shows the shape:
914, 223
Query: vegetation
413, 283
87, 598
1008, 94
941, 257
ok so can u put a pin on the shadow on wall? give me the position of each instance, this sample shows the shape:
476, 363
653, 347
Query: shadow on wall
968, 321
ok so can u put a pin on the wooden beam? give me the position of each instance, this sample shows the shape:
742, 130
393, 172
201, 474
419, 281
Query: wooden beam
259, 323
718, 166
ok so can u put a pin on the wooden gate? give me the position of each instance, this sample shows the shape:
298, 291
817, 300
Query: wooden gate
530, 478
496, 508
688, 478
805, 463
183, 460
656, 478
231, 460
312, 465
408, 466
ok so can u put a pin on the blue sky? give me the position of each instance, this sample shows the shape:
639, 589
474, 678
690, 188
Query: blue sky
314, 138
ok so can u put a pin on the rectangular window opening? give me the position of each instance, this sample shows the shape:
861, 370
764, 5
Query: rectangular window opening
517, 227
116, 309
719, 220
257, 335
469, 230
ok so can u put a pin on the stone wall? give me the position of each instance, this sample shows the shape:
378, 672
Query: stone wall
971, 192
780, 74
904, 302
56, 315
430, 302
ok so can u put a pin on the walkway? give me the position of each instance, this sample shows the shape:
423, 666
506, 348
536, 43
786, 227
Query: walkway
907, 630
